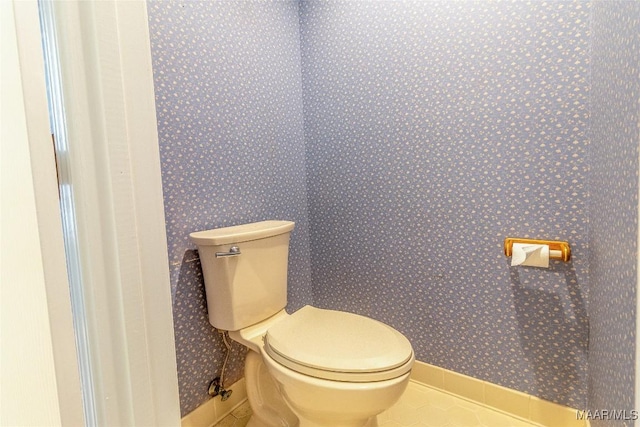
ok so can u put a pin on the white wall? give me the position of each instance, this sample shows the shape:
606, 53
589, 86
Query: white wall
26, 354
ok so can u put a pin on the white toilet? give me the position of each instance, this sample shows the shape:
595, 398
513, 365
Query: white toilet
314, 367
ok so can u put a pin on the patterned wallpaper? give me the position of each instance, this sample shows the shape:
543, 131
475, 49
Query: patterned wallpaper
430, 131
433, 131
615, 138
229, 105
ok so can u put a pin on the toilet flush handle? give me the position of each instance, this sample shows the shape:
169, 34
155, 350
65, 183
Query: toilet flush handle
233, 251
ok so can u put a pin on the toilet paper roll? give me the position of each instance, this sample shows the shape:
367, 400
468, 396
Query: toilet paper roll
530, 255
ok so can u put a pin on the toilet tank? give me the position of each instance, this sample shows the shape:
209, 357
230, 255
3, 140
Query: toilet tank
250, 286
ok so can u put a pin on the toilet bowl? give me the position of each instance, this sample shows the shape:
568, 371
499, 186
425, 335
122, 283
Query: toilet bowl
314, 367
331, 368
328, 403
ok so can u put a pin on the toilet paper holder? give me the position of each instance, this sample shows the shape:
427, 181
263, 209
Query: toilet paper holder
558, 249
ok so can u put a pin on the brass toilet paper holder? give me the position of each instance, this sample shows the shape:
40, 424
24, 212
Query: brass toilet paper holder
558, 249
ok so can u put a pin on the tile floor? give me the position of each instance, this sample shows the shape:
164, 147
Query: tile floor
419, 406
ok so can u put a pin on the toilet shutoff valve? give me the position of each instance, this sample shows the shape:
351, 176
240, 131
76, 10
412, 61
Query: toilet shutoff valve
216, 389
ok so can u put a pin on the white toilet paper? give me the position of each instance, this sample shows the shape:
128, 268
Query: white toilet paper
530, 255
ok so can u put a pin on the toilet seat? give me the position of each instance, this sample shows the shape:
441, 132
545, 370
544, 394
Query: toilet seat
338, 346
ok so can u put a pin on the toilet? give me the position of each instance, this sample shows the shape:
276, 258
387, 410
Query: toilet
312, 368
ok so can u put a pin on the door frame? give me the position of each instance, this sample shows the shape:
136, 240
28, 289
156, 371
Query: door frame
114, 168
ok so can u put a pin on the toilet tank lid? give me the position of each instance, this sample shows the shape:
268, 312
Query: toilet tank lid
241, 233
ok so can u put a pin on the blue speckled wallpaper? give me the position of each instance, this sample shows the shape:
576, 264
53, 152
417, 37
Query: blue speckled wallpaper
407, 140
434, 130
229, 106
615, 138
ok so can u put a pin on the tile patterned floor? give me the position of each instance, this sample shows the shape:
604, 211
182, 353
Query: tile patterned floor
419, 406
239, 417
428, 407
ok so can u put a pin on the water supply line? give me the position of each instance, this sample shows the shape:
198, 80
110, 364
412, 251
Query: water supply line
216, 387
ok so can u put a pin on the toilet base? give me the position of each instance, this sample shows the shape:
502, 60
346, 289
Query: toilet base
369, 422
373, 422
269, 407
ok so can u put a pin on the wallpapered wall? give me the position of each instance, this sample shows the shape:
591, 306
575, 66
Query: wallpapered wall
615, 138
430, 131
229, 106
435, 130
